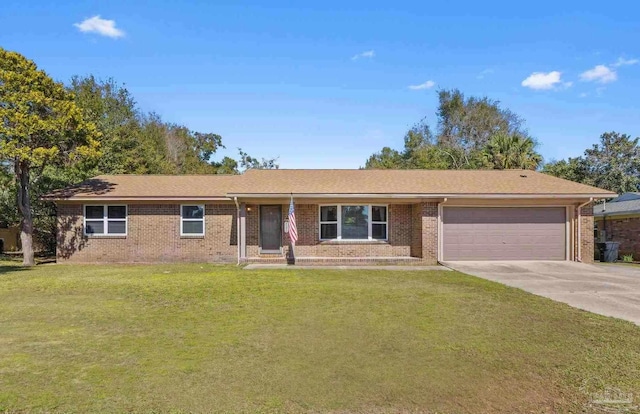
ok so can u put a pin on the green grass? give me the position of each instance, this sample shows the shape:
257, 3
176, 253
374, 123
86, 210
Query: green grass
620, 263
203, 338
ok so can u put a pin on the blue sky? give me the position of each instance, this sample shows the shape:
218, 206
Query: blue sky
325, 85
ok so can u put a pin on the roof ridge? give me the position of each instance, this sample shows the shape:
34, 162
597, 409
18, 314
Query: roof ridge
392, 169
167, 175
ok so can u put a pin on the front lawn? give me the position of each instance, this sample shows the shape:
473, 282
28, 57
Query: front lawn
203, 338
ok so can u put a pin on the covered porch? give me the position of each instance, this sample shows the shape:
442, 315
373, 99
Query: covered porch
339, 232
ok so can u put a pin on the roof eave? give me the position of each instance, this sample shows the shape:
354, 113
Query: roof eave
422, 195
616, 213
142, 198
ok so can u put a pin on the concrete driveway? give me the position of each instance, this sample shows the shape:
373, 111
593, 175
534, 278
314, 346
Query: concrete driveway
609, 290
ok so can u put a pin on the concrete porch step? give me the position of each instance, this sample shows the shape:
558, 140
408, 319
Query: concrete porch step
339, 261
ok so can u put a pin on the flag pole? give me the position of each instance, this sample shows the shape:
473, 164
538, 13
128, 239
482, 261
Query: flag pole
293, 243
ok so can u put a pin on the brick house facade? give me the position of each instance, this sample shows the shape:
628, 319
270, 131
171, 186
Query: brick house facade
624, 230
217, 219
618, 220
153, 235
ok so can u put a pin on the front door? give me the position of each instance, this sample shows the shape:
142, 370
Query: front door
270, 229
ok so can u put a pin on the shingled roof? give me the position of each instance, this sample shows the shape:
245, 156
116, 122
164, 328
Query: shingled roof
317, 183
149, 187
627, 203
410, 182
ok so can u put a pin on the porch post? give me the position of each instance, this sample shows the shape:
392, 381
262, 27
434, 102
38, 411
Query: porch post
243, 231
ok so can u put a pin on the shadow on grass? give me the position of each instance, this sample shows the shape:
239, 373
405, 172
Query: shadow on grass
4, 269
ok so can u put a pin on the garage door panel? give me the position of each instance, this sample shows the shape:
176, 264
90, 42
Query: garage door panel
481, 233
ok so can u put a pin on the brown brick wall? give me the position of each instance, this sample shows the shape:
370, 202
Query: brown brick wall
586, 234
429, 232
309, 245
153, 235
252, 229
625, 231
416, 230
424, 232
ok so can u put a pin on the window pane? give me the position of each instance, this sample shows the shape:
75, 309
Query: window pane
329, 213
355, 222
378, 213
117, 212
192, 212
329, 231
379, 231
192, 227
117, 227
94, 227
94, 212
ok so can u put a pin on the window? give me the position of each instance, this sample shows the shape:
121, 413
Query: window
379, 222
353, 222
328, 222
192, 220
105, 220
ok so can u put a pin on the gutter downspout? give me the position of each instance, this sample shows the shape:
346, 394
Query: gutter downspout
604, 219
579, 241
440, 254
235, 200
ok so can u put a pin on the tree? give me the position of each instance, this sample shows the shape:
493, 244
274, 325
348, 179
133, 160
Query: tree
8, 190
614, 164
227, 166
387, 158
113, 110
419, 151
40, 124
466, 125
465, 128
574, 169
504, 151
248, 162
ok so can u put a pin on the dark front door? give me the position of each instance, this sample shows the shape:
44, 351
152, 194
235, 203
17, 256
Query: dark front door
270, 229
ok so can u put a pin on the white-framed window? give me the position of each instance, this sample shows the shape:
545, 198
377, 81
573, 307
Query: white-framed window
105, 220
353, 222
192, 220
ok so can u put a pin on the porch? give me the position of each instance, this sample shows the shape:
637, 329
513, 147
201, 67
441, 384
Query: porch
339, 233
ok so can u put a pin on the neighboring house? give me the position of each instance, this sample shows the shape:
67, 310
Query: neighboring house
343, 217
618, 220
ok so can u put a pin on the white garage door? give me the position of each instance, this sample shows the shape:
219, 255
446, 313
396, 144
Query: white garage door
513, 233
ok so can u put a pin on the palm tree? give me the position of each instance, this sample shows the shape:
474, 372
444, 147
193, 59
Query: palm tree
511, 151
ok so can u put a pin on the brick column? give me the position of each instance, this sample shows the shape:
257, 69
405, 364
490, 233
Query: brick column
430, 233
586, 234
424, 232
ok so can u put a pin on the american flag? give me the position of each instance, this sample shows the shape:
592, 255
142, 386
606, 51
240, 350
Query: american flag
293, 230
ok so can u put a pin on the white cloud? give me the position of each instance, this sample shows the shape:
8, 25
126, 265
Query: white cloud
624, 62
427, 85
543, 81
485, 72
369, 54
600, 74
583, 95
100, 26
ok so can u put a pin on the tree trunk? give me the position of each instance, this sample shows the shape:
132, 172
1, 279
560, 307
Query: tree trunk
24, 206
